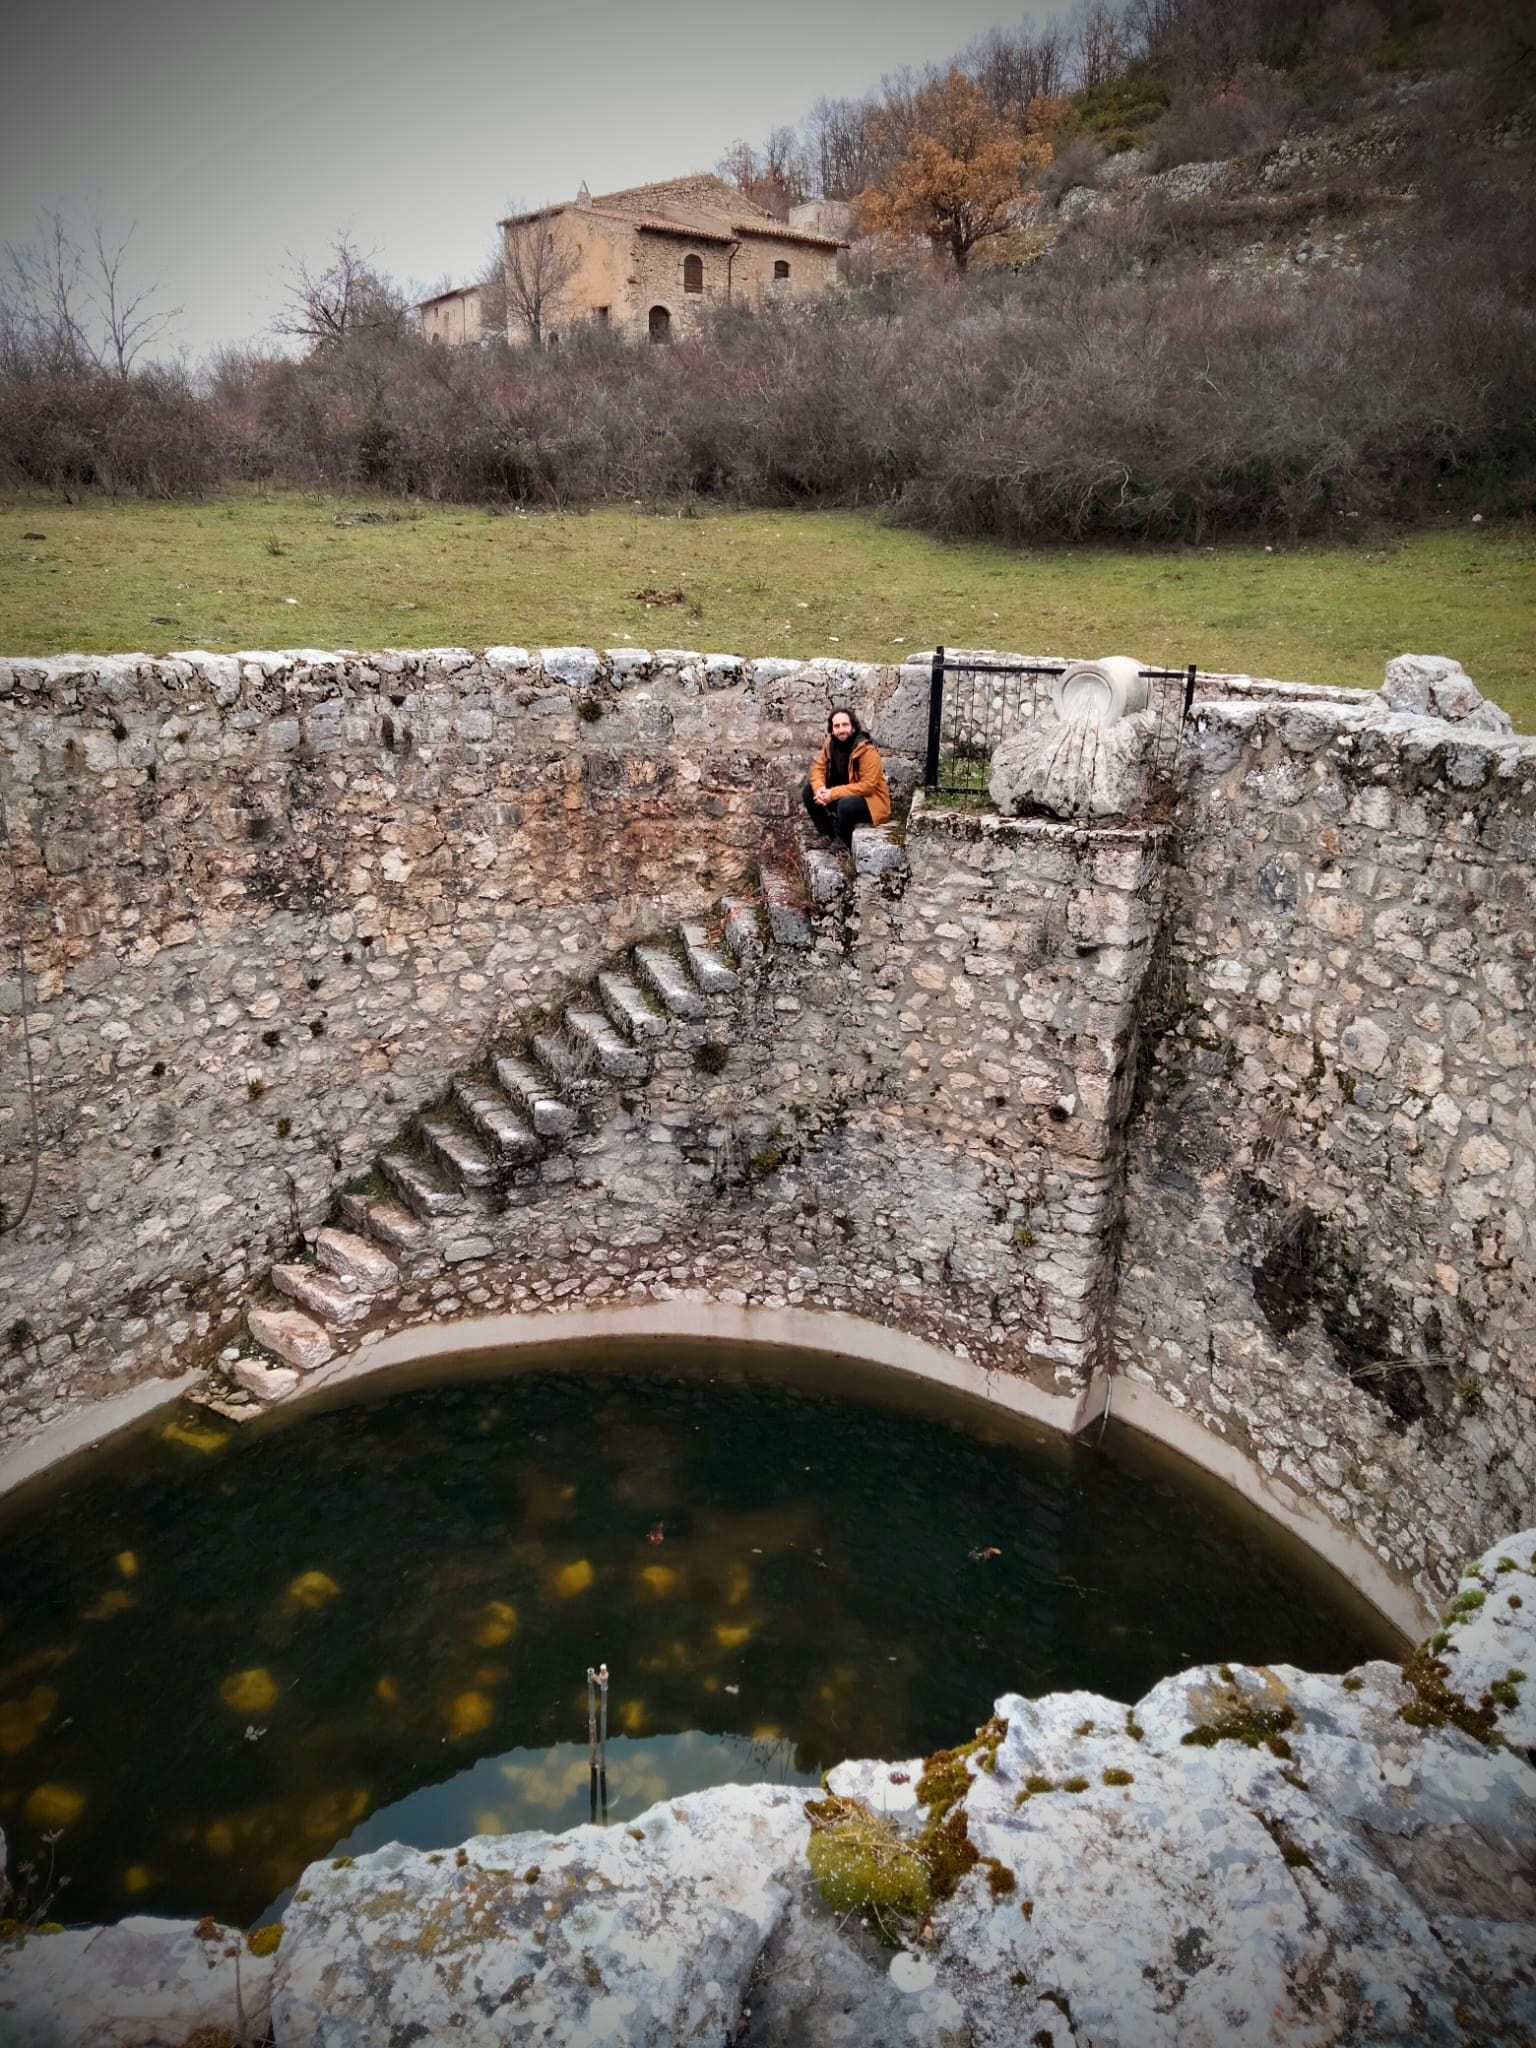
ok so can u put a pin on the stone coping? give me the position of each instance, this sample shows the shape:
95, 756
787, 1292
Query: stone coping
402, 1356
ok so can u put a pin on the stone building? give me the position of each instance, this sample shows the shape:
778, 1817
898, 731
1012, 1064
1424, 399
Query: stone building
647, 261
454, 316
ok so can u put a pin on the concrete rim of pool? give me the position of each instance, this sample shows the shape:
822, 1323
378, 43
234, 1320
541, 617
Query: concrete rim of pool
833, 1335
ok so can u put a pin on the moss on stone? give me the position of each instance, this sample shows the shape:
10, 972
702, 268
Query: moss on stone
1245, 1721
1118, 1777
265, 1939
1000, 1879
862, 1864
1354, 1684
1074, 1784
1437, 1704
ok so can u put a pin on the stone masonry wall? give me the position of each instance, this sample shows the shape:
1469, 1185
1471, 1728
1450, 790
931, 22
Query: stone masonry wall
1239, 1105
1330, 1257
270, 901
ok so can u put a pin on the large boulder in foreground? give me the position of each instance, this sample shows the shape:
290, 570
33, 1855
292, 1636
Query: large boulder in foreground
1247, 1858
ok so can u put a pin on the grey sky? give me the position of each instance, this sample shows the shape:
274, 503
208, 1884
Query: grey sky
236, 133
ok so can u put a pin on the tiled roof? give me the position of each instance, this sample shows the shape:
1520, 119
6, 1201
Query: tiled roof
702, 209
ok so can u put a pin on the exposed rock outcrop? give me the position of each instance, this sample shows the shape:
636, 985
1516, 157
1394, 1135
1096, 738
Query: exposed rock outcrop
1248, 1855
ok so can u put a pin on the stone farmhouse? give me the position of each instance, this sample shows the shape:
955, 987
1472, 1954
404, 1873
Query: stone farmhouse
648, 260
454, 316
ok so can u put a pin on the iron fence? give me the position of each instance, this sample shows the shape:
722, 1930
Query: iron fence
973, 705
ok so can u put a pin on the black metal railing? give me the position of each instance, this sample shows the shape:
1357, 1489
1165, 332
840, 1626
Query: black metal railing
973, 705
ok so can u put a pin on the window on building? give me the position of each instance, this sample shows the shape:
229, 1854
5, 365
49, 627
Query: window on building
781, 270
659, 325
693, 273
600, 315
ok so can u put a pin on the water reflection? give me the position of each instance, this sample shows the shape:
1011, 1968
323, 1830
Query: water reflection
374, 1622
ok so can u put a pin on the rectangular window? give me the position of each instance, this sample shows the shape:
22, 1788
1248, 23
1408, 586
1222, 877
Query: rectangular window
600, 315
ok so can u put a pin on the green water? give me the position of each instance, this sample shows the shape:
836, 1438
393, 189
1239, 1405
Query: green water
224, 1653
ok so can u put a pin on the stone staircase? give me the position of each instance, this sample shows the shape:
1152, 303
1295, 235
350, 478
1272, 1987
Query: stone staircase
498, 1132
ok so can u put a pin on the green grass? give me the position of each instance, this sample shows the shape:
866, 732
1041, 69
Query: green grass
130, 576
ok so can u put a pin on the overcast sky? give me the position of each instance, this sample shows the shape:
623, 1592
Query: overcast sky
236, 132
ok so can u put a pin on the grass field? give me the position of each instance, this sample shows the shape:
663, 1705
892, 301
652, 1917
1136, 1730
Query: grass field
284, 570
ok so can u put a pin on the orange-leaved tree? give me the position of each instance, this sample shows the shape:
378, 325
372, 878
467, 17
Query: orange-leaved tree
962, 176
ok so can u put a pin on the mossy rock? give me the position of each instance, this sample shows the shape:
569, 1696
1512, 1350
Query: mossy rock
860, 1862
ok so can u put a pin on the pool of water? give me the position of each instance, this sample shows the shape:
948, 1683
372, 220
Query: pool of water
226, 1652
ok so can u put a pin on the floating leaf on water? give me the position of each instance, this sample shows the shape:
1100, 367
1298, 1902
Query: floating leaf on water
311, 1589
249, 1692
489, 1824
738, 1583
658, 1579
219, 1840
572, 1579
329, 1816
127, 1564
388, 1691
111, 1602
467, 1714
54, 1806
632, 1717
137, 1878
21, 1721
730, 1635
498, 1624
767, 1731
195, 1436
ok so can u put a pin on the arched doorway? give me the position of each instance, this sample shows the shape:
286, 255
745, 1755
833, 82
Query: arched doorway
660, 324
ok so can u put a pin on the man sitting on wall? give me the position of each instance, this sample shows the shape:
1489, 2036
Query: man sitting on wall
847, 785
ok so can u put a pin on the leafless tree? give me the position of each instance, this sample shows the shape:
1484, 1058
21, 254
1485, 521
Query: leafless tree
844, 155
775, 177
1101, 44
348, 297
130, 320
68, 311
493, 292
538, 266
1015, 66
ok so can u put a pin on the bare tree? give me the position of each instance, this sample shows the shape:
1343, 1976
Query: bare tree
44, 299
493, 292
845, 155
349, 296
776, 177
538, 266
1101, 44
130, 320
69, 312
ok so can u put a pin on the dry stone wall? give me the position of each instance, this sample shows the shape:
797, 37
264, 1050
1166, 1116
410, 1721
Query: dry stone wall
1331, 1186
270, 901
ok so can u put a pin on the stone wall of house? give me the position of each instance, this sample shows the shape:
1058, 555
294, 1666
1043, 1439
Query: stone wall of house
1330, 1257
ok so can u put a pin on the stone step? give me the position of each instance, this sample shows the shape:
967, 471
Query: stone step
743, 932
665, 975
357, 1264
296, 1338
594, 1035
550, 1117
708, 966
420, 1186
381, 1218
825, 875
507, 1134
785, 905
630, 1007
569, 1066
452, 1147
321, 1294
